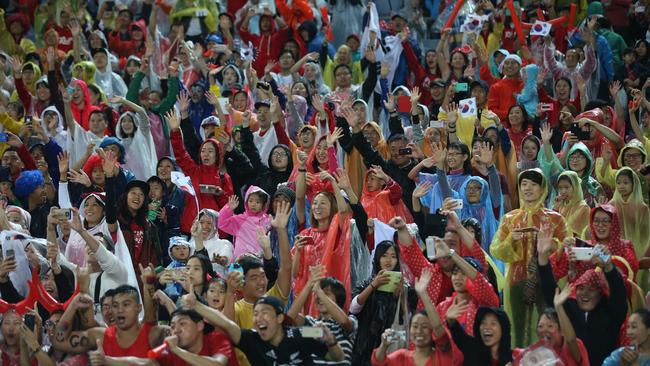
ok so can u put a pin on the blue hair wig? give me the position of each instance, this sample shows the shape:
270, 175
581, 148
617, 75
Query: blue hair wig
114, 141
27, 182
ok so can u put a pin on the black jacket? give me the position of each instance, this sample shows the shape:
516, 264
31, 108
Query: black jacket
598, 329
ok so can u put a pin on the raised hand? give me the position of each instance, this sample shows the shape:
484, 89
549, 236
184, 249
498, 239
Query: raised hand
485, 154
317, 102
452, 113
282, 214
415, 96
341, 176
423, 282
389, 103
80, 177
302, 159
379, 173
438, 153
211, 98
263, 239
397, 223
350, 116
562, 296
614, 88
76, 224
334, 136
183, 101
172, 120
109, 161
385, 69
421, 190
546, 132
233, 202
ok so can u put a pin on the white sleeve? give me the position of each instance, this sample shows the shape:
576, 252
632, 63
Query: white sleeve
109, 262
355, 307
64, 195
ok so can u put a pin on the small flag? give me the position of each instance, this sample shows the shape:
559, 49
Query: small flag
467, 107
473, 23
183, 182
540, 29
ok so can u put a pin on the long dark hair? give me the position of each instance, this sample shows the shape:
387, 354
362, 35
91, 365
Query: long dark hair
206, 267
380, 250
140, 217
525, 117
504, 352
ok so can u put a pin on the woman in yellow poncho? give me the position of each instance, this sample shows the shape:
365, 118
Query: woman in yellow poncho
634, 216
198, 17
515, 244
570, 203
343, 56
633, 155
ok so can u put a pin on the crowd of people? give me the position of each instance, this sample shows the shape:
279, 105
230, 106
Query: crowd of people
324, 182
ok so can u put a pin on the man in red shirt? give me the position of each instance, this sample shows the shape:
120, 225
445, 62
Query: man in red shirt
503, 93
191, 345
127, 337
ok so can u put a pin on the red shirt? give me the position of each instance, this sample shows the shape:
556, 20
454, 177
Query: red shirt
213, 343
139, 348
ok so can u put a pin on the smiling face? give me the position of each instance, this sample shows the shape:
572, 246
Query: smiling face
255, 283
562, 90
239, 101
457, 60
636, 330
128, 127
373, 183
207, 226
587, 297
299, 89
455, 159
490, 330
371, 135
602, 223
420, 331
633, 158
321, 208
266, 321
135, 198
321, 152
529, 190
93, 211
548, 330
516, 116
578, 162
97, 176
97, 123
49, 285
165, 169
310, 71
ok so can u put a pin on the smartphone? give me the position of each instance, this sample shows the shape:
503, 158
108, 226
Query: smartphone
4, 137
437, 124
404, 104
207, 188
546, 107
28, 120
431, 248
307, 240
10, 253
583, 254
579, 132
395, 277
582, 244
461, 87
263, 85
459, 203
64, 212
598, 250
406, 151
311, 332
218, 130
30, 321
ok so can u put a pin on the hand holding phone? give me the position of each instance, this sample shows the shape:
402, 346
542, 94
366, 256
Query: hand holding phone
312, 332
405, 151
30, 321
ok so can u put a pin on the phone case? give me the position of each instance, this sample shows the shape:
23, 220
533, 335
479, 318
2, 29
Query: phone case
395, 277
404, 104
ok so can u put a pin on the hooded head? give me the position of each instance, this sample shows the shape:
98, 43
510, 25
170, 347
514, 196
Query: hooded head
308, 30
184, 248
91, 213
633, 154
85, 70
277, 157
208, 220
18, 215
212, 121
129, 129
582, 160
210, 153
107, 142
599, 228
52, 117
257, 201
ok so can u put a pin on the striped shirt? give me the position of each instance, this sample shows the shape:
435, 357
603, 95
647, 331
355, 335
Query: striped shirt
344, 338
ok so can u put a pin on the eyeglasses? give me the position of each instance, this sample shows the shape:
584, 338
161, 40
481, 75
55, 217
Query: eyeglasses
279, 155
602, 222
339, 74
454, 154
576, 157
473, 189
632, 156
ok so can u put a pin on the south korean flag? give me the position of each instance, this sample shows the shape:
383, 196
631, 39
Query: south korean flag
467, 107
540, 29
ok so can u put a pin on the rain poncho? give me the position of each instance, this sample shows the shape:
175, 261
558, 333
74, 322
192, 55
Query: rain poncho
111, 83
522, 297
213, 245
528, 97
483, 210
552, 168
244, 226
59, 135
574, 210
634, 216
140, 149
331, 64
608, 177
384, 203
